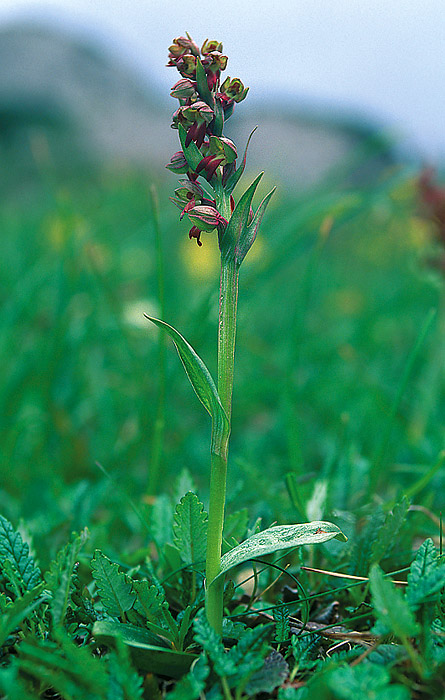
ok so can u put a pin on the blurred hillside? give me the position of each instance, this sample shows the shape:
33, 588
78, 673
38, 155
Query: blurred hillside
62, 94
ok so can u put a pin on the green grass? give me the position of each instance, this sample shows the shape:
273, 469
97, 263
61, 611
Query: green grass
325, 333
339, 374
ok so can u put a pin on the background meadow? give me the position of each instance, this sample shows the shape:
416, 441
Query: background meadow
339, 373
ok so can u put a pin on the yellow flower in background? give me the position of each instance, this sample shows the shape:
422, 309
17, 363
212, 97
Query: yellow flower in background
203, 263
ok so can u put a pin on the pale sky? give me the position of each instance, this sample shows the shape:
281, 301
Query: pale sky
384, 59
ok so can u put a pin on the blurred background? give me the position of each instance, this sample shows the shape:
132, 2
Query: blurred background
333, 380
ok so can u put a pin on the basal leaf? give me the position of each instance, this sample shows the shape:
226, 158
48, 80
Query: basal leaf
161, 520
145, 656
190, 529
58, 578
426, 577
273, 673
16, 552
388, 532
152, 605
114, 587
281, 617
277, 538
124, 681
15, 612
191, 686
200, 379
390, 606
424, 562
67, 668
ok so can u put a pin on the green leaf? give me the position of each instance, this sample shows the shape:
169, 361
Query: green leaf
365, 681
202, 84
235, 526
248, 236
232, 238
145, 655
306, 650
201, 381
58, 578
191, 152
152, 605
15, 552
114, 587
66, 667
124, 681
274, 672
242, 659
426, 577
281, 617
390, 606
191, 686
235, 177
15, 612
190, 529
161, 520
277, 538
387, 534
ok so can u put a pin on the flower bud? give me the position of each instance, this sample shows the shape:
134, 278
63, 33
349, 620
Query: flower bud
223, 148
186, 65
199, 111
189, 190
211, 45
178, 163
209, 164
183, 45
205, 218
183, 89
234, 89
215, 61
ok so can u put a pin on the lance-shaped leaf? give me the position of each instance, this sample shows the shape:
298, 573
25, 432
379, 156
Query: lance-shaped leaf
201, 381
234, 178
202, 84
277, 538
248, 236
145, 655
230, 241
191, 152
218, 123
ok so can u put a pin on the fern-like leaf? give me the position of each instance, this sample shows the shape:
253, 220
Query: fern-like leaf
190, 529
58, 578
191, 686
114, 587
281, 617
16, 563
426, 577
152, 605
124, 681
273, 673
64, 667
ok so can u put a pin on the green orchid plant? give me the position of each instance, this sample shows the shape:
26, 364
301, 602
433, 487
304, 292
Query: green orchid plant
208, 162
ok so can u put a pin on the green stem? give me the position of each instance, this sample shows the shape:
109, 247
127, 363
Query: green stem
226, 357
